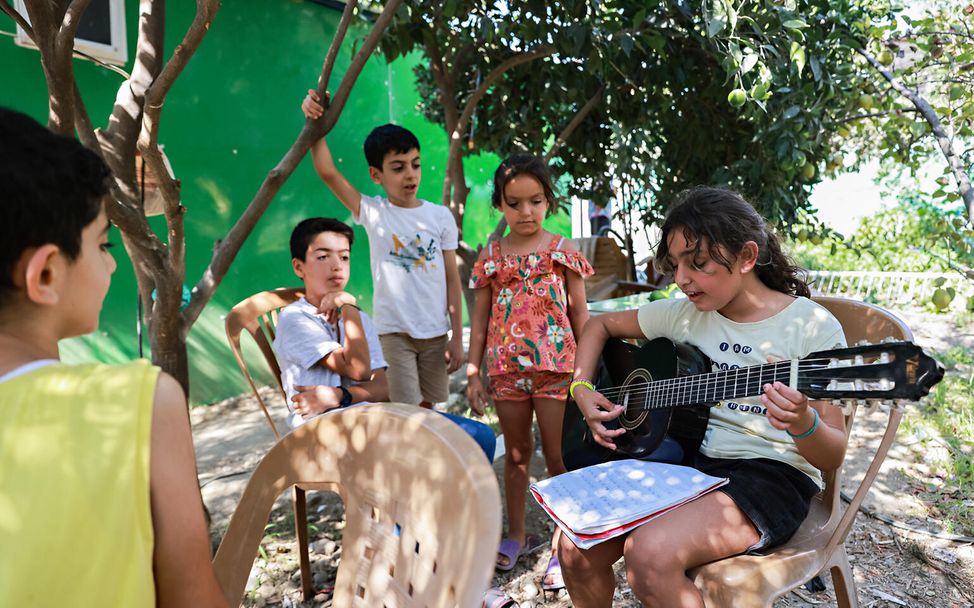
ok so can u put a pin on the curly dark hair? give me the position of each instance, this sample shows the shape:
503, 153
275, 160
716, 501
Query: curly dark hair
523, 164
51, 187
723, 221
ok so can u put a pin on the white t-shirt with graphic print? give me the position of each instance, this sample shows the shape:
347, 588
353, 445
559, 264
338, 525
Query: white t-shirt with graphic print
740, 428
408, 274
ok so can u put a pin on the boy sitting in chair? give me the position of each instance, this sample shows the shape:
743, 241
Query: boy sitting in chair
328, 349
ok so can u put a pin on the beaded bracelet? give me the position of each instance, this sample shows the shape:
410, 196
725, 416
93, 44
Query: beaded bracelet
809, 431
576, 383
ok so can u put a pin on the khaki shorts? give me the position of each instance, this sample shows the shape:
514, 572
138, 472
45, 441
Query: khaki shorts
417, 368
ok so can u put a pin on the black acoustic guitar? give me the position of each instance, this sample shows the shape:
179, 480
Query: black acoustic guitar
667, 388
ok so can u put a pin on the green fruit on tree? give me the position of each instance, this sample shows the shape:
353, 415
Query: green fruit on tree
842, 131
866, 101
803, 235
885, 58
759, 91
808, 171
737, 98
941, 298
816, 239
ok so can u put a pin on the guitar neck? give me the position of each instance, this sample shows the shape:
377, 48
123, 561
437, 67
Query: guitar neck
717, 386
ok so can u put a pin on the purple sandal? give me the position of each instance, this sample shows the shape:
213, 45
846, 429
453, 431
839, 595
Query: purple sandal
512, 550
552, 579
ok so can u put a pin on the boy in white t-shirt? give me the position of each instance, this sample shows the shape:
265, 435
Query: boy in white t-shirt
414, 269
328, 349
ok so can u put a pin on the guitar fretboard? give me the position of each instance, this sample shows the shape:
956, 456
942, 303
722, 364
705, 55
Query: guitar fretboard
715, 386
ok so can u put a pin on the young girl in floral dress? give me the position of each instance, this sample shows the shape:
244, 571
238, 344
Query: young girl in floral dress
530, 304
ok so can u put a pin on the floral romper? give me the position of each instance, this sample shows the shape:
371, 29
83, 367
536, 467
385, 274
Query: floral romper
530, 349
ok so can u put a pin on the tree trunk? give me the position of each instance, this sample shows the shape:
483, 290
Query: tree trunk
134, 122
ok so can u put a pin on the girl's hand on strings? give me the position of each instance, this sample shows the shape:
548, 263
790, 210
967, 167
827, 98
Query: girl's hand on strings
788, 408
476, 394
597, 410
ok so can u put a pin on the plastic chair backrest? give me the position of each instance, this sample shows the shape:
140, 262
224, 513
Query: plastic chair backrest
258, 315
756, 580
422, 507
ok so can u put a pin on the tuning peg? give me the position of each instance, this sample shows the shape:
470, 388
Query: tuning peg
889, 340
863, 343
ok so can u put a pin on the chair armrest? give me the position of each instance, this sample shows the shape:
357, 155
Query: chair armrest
848, 516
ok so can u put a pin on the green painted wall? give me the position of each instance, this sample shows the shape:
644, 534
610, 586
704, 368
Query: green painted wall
228, 120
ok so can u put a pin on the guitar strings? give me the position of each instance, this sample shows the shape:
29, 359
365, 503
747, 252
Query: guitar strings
672, 388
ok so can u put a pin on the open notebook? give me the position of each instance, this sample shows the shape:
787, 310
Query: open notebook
596, 503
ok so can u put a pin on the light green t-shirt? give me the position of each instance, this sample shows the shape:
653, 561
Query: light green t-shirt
740, 428
75, 515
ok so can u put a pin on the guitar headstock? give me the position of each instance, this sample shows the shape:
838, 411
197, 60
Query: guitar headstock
898, 371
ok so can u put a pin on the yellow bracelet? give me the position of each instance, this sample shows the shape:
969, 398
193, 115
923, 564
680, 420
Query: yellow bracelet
585, 383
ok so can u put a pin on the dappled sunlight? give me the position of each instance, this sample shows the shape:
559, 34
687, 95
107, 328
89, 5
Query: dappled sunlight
221, 203
422, 505
212, 367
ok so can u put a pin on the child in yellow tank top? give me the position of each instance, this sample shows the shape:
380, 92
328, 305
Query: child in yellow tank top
99, 502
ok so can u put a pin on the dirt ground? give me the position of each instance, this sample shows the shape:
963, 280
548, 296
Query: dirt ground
893, 566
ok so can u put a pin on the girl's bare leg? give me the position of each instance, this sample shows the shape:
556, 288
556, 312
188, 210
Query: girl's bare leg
516, 418
659, 553
588, 574
551, 414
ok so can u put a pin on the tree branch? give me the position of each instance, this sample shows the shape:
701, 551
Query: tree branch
943, 140
125, 122
148, 142
335, 45
874, 115
581, 115
453, 155
227, 249
492, 77
327, 122
18, 19
60, 59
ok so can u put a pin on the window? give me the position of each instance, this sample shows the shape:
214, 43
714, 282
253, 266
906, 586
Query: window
101, 32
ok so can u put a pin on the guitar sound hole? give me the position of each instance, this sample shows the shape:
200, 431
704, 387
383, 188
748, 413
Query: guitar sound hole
633, 398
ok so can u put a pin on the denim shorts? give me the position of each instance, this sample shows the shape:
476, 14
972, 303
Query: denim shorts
775, 496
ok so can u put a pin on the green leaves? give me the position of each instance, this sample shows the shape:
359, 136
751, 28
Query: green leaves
795, 24
715, 26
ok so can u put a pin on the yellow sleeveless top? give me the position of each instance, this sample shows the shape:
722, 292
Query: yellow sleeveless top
75, 520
